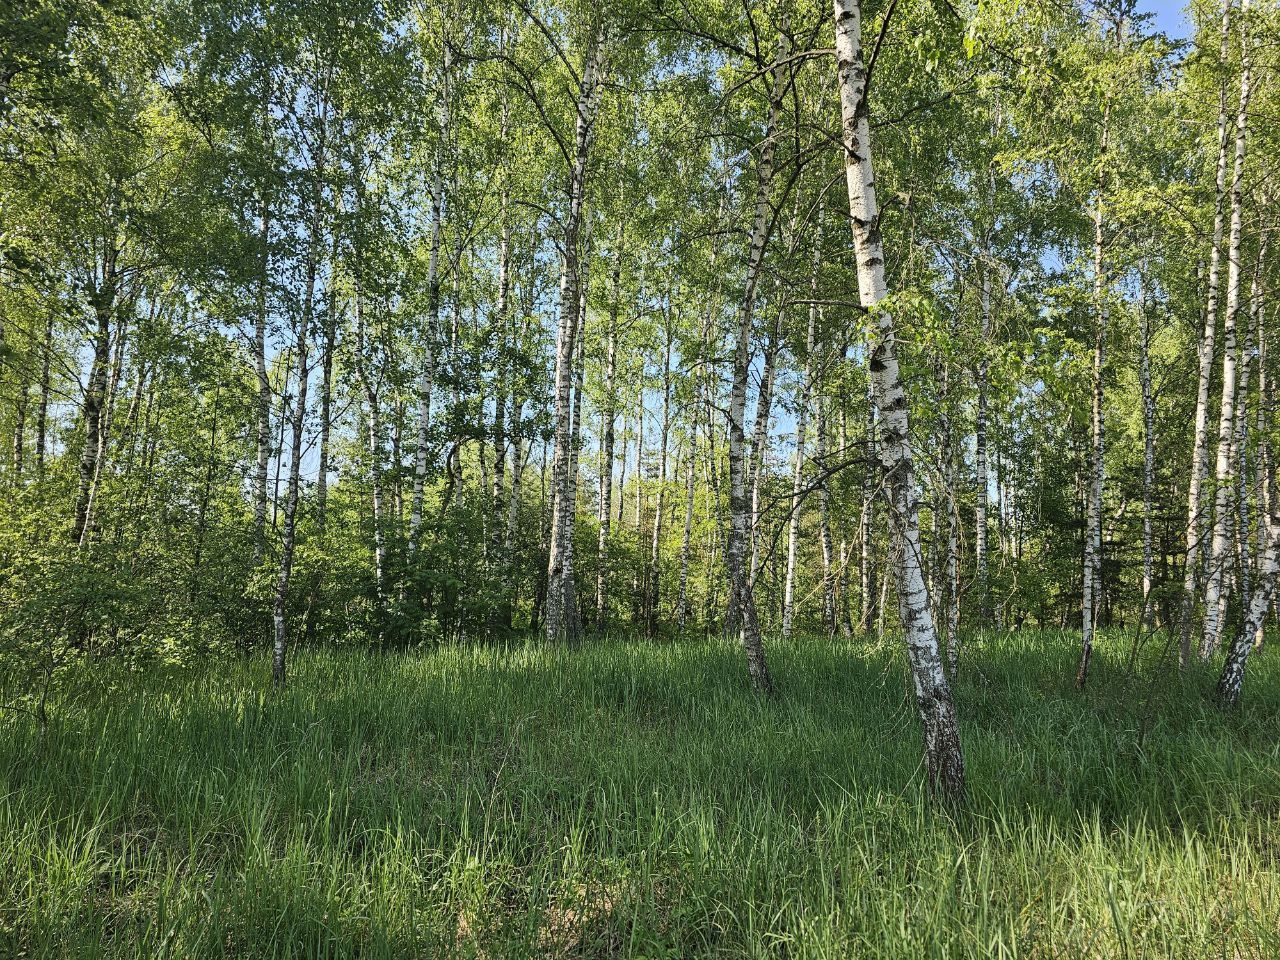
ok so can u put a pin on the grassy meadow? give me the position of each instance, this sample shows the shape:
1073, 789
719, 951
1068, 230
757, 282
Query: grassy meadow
627, 798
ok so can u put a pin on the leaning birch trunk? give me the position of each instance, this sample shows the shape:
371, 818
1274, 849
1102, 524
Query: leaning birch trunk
1092, 571
1195, 530
560, 621
105, 419
944, 760
291, 496
797, 476
1232, 678
738, 548
1224, 466
95, 401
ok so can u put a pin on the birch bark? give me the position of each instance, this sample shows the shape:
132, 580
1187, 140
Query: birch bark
562, 616
1224, 466
944, 759
738, 547
1195, 529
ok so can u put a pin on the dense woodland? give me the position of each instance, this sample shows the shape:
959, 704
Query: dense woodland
396, 324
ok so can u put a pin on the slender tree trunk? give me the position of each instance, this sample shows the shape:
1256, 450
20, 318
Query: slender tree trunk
944, 759
660, 501
1092, 573
279, 443
686, 542
1195, 531
622, 471
1232, 678
866, 522
330, 334
637, 594
797, 476
759, 452
950, 566
1148, 453
19, 432
741, 532
263, 436
95, 402
1240, 465
562, 618
824, 521
607, 417
426, 376
1221, 541
570, 612
513, 519
288, 534
982, 494
502, 321
373, 439
42, 411
1264, 480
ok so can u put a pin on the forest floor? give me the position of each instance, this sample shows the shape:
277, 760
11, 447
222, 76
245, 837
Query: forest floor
628, 798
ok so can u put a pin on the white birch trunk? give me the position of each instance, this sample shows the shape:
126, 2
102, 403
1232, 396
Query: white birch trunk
1263, 478
686, 542
738, 547
1091, 575
263, 411
982, 478
1232, 678
1195, 531
562, 616
944, 759
824, 522
288, 533
659, 509
608, 415
1224, 465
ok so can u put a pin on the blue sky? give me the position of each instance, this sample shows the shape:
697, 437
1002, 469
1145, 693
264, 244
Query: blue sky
1168, 16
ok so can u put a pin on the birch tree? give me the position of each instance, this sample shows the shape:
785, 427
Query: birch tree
944, 759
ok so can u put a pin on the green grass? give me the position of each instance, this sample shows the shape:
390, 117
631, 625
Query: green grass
634, 799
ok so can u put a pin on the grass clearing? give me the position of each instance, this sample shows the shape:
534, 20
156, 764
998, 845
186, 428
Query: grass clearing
627, 798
